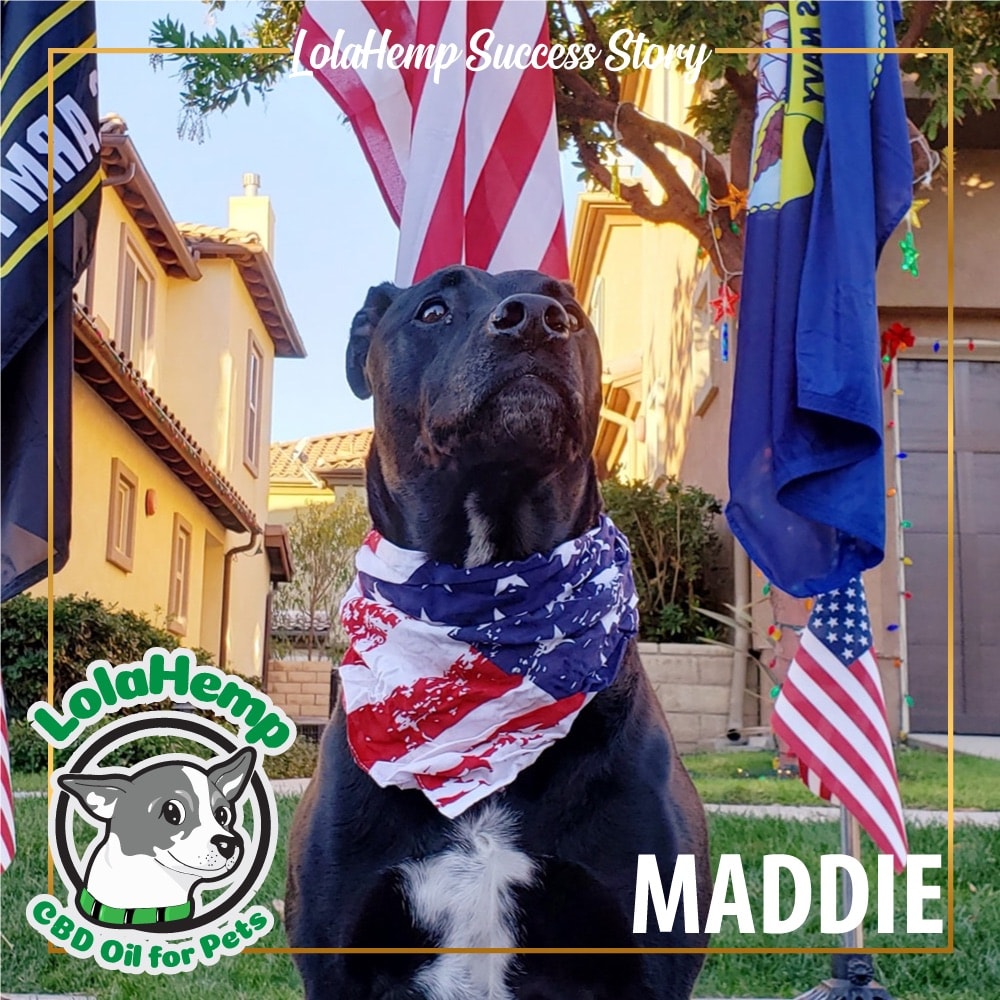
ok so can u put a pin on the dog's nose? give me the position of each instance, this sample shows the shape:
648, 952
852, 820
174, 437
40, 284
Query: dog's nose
530, 319
226, 846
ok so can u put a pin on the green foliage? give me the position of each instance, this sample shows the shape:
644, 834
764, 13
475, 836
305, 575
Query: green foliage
28, 751
672, 534
298, 761
323, 538
216, 82
84, 629
717, 25
973, 31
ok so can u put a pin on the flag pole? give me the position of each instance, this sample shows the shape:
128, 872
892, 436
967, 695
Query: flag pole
853, 975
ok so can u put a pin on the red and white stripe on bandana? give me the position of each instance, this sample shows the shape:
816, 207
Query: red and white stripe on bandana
457, 679
467, 161
831, 713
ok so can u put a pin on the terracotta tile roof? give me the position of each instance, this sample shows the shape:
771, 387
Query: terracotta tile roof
99, 362
126, 175
178, 246
293, 461
257, 271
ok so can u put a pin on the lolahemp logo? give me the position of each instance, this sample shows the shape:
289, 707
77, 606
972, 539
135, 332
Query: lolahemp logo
177, 844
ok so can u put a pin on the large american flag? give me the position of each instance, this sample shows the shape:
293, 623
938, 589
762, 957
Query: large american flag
831, 713
468, 163
457, 679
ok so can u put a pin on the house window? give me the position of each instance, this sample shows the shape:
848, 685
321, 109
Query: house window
180, 573
251, 415
135, 305
121, 515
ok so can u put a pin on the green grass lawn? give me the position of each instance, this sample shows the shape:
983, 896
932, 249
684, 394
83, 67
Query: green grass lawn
923, 780
27, 967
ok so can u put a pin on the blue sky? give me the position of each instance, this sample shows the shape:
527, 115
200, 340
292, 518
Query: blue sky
333, 235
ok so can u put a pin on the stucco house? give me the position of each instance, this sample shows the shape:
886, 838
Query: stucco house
667, 401
315, 470
176, 331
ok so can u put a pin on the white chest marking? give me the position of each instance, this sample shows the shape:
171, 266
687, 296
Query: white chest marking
481, 548
464, 898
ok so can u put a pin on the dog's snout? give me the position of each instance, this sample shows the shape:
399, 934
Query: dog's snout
226, 846
530, 319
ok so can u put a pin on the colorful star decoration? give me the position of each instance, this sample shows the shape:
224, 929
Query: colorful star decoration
724, 305
735, 201
913, 216
910, 254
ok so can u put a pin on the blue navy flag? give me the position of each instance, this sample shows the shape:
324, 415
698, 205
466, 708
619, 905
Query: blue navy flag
831, 177
28, 31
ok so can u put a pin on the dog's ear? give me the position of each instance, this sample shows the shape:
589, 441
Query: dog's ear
231, 775
378, 300
98, 794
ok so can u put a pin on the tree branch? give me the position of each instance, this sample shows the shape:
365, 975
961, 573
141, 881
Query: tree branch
594, 38
923, 11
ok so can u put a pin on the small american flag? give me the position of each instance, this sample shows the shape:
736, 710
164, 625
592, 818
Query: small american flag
7, 843
831, 713
457, 679
467, 162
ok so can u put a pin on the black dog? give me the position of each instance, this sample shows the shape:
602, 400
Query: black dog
487, 395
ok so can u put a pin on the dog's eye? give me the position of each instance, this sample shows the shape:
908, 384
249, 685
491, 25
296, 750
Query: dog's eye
173, 812
221, 815
432, 312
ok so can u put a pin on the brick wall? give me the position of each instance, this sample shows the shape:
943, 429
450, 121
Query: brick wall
692, 684
300, 687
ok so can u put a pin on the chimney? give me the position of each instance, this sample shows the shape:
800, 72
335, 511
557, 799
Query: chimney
251, 212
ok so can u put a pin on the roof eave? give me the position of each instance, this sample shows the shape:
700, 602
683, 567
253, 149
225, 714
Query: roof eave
124, 168
254, 260
279, 553
126, 393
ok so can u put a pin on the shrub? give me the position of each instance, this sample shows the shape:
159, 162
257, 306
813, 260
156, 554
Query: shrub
298, 761
672, 534
84, 629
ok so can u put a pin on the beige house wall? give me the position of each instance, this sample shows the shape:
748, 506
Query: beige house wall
145, 588
195, 360
654, 307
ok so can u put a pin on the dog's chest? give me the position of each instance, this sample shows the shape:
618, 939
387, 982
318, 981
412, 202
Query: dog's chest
464, 897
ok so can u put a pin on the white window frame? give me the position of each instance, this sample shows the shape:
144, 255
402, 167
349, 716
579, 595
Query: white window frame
179, 584
133, 343
253, 399
123, 505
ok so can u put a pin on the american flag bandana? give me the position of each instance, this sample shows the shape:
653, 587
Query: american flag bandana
457, 679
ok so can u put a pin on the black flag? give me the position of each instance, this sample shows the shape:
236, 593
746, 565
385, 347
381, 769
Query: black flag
28, 31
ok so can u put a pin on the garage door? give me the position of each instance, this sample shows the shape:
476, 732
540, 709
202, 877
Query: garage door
922, 424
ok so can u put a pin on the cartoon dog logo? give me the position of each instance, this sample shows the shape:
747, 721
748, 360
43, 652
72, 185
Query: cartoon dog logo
167, 827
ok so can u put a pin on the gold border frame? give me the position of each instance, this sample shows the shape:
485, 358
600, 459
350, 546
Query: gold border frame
950, 171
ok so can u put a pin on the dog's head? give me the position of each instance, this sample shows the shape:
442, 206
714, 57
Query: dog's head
486, 395
182, 815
